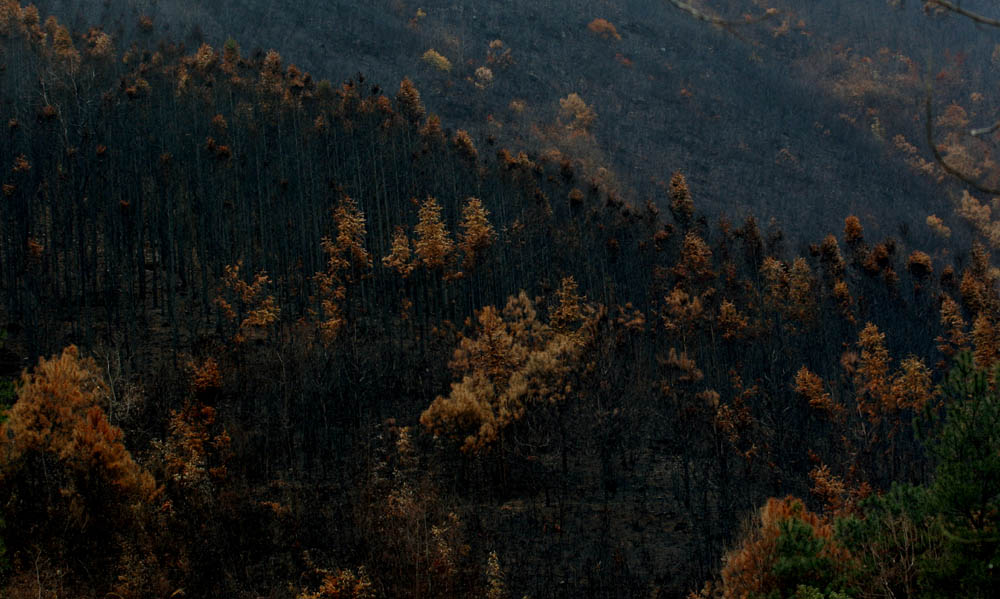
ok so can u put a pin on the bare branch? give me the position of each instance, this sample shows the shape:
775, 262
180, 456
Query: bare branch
724, 23
954, 172
985, 130
950, 6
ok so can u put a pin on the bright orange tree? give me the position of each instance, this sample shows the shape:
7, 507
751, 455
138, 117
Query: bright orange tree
514, 361
67, 482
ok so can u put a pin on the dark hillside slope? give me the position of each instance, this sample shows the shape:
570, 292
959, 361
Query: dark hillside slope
671, 94
336, 343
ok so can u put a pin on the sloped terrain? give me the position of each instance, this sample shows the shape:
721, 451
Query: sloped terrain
290, 338
671, 94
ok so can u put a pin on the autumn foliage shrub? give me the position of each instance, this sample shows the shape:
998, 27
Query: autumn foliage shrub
604, 29
576, 114
436, 60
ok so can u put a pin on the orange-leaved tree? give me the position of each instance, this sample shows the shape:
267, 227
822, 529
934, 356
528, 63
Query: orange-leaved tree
409, 101
477, 233
514, 361
246, 307
399, 255
68, 486
434, 244
347, 261
681, 204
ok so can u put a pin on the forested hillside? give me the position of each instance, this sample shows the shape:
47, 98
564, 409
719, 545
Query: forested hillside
266, 335
740, 114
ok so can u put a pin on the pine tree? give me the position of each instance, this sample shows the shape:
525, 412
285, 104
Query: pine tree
476, 235
434, 244
681, 204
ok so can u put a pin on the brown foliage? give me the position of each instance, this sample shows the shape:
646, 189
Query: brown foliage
682, 312
831, 258
417, 546
484, 78
66, 478
350, 242
196, 450
877, 259
853, 231
347, 260
576, 114
912, 387
431, 129
881, 392
872, 376
683, 367
986, 342
466, 147
477, 234
919, 265
399, 254
695, 263
842, 294
604, 29
810, 387
732, 322
937, 225
63, 49
681, 204
436, 60
434, 244
830, 488
409, 102
569, 310
246, 304
514, 361
343, 584
790, 292
980, 217
801, 292
954, 325
59, 413
21, 164
99, 44
499, 55
748, 569
206, 59
206, 377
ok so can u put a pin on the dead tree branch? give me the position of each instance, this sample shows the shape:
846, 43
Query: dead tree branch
719, 21
952, 7
954, 172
